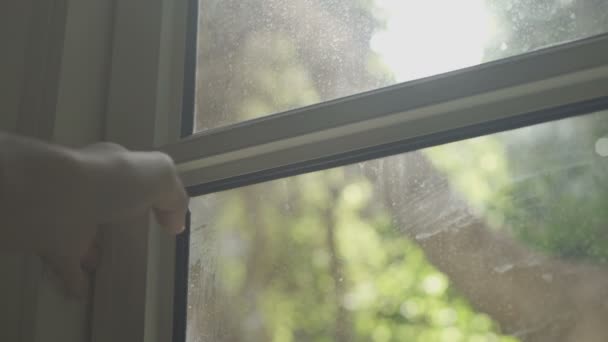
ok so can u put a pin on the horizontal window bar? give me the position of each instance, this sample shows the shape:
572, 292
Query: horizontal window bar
492, 95
353, 156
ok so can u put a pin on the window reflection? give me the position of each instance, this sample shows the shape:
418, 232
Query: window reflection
497, 238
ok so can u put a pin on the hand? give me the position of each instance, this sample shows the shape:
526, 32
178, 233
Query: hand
54, 200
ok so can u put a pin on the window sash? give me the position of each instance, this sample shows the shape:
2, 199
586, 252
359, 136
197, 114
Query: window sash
145, 90
514, 92
133, 289
557, 82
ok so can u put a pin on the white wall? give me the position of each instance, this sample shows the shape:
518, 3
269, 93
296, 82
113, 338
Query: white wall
14, 24
54, 64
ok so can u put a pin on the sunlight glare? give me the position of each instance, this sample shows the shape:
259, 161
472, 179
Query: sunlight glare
428, 37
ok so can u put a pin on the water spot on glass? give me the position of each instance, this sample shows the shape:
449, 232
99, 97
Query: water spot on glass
601, 147
410, 309
503, 268
489, 162
447, 316
426, 235
434, 284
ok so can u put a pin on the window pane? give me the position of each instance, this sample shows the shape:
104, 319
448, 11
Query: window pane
497, 238
258, 57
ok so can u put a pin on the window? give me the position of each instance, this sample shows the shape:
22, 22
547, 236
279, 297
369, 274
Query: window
263, 57
463, 204
495, 238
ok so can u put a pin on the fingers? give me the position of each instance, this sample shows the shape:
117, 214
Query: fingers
73, 279
162, 187
173, 221
171, 208
128, 183
92, 256
74, 260
105, 147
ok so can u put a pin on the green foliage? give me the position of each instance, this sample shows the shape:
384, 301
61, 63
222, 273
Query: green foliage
316, 257
549, 192
300, 280
560, 207
477, 168
270, 85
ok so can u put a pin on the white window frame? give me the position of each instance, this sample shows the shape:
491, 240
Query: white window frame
134, 288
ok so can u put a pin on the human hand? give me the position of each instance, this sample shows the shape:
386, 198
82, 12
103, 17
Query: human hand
55, 199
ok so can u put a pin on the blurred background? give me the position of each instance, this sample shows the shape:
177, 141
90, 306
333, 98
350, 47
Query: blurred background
487, 239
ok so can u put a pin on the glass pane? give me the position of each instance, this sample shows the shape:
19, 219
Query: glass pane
258, 57
497, 238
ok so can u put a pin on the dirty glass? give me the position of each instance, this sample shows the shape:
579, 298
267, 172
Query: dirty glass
496, 238
259, 57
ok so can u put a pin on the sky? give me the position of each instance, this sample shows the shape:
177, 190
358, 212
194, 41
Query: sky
428, 37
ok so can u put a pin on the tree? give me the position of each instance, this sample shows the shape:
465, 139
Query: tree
327, 256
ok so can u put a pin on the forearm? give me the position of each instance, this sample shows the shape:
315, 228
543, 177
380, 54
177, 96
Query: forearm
29, 172
53, 199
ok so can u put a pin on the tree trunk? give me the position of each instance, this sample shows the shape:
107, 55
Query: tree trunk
531, 296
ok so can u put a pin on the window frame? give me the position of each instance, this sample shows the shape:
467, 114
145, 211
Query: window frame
554, 83
150, 83
133, 286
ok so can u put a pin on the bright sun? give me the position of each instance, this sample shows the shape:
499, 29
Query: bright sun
428, 37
